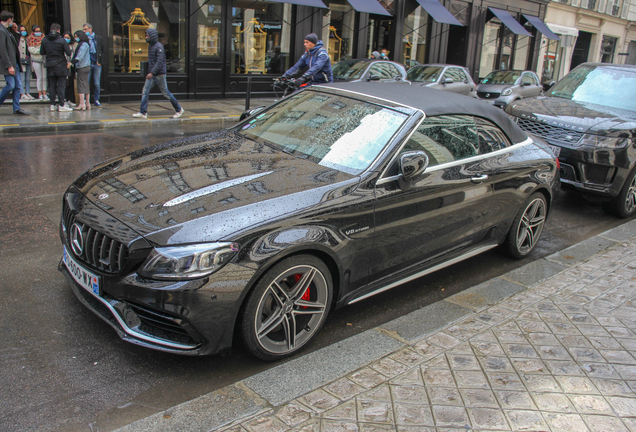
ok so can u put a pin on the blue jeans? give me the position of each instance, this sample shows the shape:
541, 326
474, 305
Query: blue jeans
13, 85
96, 74
25, 79
161, 82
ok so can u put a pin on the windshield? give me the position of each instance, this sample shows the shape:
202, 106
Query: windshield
508, 77
334, 131
349, 69
600, 85
424, 73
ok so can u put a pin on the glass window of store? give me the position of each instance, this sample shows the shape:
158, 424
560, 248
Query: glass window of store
128, 21
490, 47
209, 35
551, 62
502, 49
414, 41
338, 30
261, 36
522, 48
607, 49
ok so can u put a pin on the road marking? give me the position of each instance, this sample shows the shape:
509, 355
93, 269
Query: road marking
53, 123
234, 115
9, 125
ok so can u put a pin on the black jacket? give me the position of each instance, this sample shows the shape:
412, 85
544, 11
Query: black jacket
156, 54
9, 53
56, 50
99, 48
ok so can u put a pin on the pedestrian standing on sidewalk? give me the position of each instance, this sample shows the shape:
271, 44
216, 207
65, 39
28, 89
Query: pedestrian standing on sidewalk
96, 51
10, 65
69, 93
156, 75
56, 50
25, 61
82, 63
37, 61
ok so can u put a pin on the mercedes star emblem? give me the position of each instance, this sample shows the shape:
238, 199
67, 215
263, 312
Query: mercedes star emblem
103, 196
77, 239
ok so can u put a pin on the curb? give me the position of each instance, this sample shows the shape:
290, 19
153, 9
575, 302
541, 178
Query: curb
262, 393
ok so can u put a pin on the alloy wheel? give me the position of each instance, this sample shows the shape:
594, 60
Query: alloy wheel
531, 225
630, 199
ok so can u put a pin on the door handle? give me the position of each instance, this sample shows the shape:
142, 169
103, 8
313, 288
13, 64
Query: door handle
479, 178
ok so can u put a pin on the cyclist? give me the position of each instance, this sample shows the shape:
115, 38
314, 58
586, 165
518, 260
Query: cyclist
316, 62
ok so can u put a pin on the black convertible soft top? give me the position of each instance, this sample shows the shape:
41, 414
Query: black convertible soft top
435, 102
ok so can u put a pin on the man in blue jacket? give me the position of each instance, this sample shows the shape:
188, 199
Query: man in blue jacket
315, 60
156, 75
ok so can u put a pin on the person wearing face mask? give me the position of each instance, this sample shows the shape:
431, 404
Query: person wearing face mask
10, 65
25, 60
96, 51
69, 94
82, 62
156, 75
34, 41
56, 50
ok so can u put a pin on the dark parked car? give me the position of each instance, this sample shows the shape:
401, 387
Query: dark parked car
589, 120
323, 199
368, 70
445, 77
505, 86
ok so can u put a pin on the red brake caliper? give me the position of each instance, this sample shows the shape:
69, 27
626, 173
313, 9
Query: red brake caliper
305, 296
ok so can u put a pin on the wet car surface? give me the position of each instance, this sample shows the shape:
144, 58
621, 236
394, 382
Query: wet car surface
589, 120
445, 77
365, 70
330, 196
503, 87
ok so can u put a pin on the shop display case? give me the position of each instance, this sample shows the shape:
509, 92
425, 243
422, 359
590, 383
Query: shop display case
335, 45
253, 43
135, 30
208, 41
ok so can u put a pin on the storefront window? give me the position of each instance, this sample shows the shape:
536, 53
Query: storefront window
261, 35
337, 31
551, 62
128, 21
489, 49
607, 49
414, 42
521, 52
209, 34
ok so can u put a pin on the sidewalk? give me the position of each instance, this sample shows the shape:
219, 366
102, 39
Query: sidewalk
118, 115
550, 346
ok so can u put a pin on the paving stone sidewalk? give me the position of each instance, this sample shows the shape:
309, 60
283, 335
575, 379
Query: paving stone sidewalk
559, 355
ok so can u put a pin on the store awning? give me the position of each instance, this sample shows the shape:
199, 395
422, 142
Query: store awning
509, 21
311, 3
369, 6
563, 30
439, 13
540, 25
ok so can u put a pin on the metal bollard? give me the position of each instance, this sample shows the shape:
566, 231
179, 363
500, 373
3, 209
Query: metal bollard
249, 93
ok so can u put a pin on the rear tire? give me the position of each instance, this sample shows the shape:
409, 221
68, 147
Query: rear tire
287, 307
527, 227
624, 205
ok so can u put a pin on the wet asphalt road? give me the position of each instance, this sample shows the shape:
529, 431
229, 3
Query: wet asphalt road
62, 368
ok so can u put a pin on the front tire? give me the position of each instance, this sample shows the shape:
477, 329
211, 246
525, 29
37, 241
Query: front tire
624, 205
527, 227
287, 307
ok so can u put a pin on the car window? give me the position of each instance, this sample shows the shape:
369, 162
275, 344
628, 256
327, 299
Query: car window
349, 69
424, 73
456, 74
395, 72
491, 138
383, 70
527, 77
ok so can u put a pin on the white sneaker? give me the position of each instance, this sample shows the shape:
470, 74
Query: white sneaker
24, 97
41, 97
53, 107
64, 108
179, 114
70, 104
30, 97
140, 115
47, 98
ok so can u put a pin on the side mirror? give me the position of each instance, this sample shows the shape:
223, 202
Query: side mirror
250, 112
374, 78
448, 81
412, 165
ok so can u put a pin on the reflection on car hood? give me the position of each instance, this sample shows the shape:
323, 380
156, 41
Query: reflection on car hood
216, 184
495, 88
583, 117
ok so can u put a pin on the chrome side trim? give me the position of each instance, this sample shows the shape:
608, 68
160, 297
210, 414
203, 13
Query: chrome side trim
467, 255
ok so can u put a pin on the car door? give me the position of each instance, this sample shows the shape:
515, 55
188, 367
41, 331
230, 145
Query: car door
460, 83
442, 212
531, 90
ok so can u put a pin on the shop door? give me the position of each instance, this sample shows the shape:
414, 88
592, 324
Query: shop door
207, 71
581, 49
380, 36
456, 51
631, 54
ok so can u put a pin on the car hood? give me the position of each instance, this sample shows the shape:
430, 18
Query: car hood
494, 88
207, 188
578, 116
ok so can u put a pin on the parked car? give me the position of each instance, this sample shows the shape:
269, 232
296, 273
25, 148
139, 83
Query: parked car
505, 86
589, 120
362, 70
446, 77
325, 198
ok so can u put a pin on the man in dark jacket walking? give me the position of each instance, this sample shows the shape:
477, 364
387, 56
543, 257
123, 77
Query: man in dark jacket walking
156, 75
10, 65
315, 60
57, 52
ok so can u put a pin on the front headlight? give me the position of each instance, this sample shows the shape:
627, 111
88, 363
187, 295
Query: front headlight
187, 262
589, 140
506, 92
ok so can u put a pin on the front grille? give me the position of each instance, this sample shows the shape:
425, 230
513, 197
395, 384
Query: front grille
552, 134
567, 172
99, 251
596, 173
487, 95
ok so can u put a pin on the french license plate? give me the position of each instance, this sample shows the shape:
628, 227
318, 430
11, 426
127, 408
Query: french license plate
83, 277
556, 150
